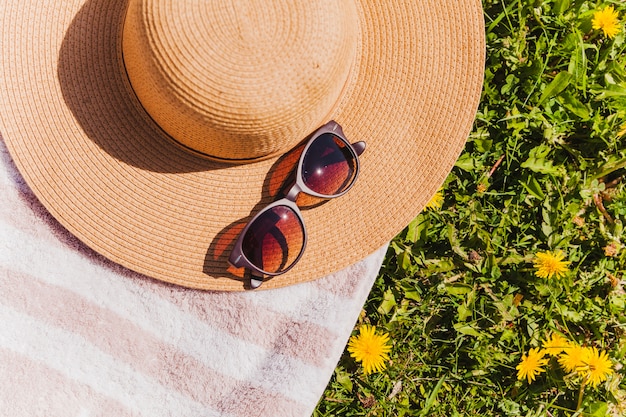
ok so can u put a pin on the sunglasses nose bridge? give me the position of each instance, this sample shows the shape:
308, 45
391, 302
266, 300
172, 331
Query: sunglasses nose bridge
293, 192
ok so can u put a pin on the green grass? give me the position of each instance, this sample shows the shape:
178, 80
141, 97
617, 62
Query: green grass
542, 170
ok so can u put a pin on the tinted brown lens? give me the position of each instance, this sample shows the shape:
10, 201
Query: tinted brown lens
274, 240
329, 166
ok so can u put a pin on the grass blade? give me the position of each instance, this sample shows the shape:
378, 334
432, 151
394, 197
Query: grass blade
432, 397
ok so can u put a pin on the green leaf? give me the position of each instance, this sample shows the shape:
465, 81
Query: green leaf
510, 407
571, 103
467, 329
455, 243
411, 232
439, 265
404, 260
343, 378
598, 409
578, 61
533, 187
467, 163
483, 145
560, 6
412, 294
572, 315
464, 312
609, 167
558, 84
611, 90
458, 288
506, 308
417, 229
388, 303
541, 166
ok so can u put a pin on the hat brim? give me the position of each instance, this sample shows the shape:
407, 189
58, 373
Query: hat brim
108, 174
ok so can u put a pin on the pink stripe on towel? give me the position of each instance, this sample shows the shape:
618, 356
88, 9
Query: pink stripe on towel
48, 392
241, 319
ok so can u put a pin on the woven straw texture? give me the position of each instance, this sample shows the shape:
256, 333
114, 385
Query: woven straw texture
93, 147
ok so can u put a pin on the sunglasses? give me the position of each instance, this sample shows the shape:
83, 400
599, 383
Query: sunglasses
274, 240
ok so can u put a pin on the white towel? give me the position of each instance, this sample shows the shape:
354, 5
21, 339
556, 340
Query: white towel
82, 336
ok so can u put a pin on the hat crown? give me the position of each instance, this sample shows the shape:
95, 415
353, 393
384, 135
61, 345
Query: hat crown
239, 79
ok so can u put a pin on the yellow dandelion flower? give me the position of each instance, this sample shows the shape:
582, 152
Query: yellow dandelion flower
550, 264
572, 359
435, 202
622, 130
531, 365
370, 349
555, 344
606, 20
598, 366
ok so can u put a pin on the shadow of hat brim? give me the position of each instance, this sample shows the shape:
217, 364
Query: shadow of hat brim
96, 89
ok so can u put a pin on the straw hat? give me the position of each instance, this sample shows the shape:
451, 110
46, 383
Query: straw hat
154, 129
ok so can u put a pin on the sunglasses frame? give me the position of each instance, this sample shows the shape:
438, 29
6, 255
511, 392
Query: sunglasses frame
237, 257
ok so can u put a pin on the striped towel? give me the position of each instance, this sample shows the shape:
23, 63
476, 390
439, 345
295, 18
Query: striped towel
81, 336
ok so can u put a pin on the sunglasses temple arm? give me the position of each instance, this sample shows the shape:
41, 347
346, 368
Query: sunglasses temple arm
359, 147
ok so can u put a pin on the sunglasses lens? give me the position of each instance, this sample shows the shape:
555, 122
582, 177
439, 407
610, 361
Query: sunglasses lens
329, 165
275, 240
